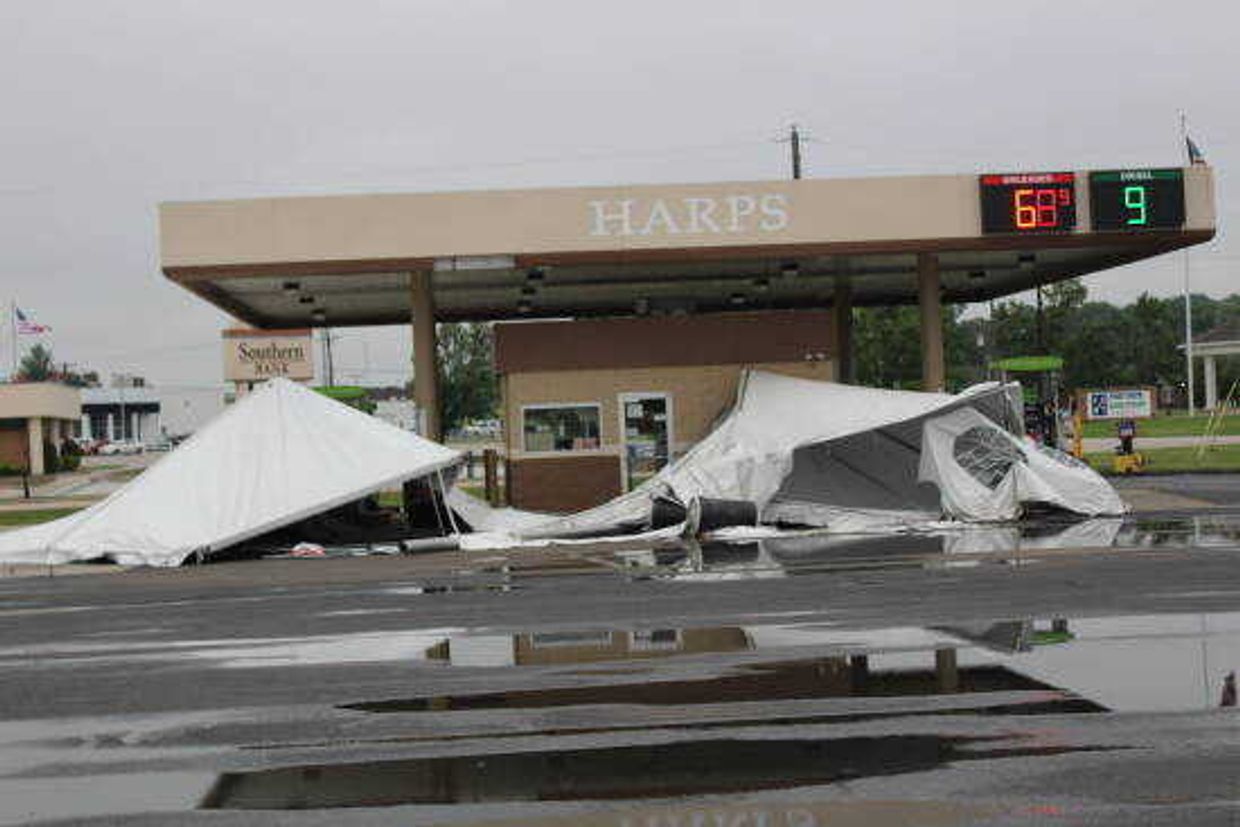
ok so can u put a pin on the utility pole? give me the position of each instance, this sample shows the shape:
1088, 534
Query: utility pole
13, 331
124, 425
794, 143
327, 356
1040, 330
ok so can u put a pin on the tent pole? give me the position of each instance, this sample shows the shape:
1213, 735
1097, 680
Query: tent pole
443, 494
435, 505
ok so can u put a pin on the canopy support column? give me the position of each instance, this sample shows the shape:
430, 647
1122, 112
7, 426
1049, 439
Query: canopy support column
946, 672
425, 363
842, 320
933, 371
34, 445
1211, 383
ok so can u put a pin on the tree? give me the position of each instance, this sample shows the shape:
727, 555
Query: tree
888, 347
37, 365
1065, 295
467, 386
81, 379
1155, 333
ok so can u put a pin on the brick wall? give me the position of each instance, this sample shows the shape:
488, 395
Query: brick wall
665, 341
700, 394
573, 482
13, 444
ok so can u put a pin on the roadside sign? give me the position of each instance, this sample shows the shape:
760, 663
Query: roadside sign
255, 355
1122, 403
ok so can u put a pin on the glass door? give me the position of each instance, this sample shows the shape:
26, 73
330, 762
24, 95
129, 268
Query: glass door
646, 419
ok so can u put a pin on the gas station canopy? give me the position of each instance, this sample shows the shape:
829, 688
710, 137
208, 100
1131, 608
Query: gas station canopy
349, 260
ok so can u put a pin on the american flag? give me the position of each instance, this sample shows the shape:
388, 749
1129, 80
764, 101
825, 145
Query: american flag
1195, 155
27, 326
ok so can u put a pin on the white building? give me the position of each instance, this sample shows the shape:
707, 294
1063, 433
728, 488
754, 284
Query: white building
399, 412
123, 414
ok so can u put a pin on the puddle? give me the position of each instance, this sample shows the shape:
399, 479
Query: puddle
322, 650
364, 612
462, 587
812, 551
631, 772
29, 799
1214, 530
841, 677
1126, 663
795, 812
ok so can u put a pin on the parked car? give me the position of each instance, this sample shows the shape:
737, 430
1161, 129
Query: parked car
158, 445
86, 445
114, 448
484, 428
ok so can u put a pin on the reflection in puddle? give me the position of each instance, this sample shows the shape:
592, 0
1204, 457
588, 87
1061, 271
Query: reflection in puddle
240, 653
553, 647
27, 800
796, 812
630, 772
804, 552
1142, 663
842, 677
1127, 663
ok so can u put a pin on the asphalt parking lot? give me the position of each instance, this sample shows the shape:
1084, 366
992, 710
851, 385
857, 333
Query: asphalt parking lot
1061, 673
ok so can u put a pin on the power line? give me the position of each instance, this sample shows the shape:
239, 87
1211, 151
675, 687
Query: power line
589, 156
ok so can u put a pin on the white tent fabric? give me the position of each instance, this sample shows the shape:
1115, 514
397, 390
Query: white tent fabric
279, 455
985, 473
832, 453
746, 457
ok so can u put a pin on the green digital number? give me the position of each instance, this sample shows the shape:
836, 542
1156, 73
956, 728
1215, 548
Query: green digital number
1134, 199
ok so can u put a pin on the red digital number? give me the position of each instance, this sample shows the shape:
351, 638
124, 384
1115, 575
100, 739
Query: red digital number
1026, 209
1048, 215
1036, 208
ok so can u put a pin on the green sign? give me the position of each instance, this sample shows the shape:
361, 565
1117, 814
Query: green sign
1028, 364
342, 392
1134, 200
1129, 176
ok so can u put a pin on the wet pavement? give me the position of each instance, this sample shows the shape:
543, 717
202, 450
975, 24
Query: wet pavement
1210, 489
1055, 672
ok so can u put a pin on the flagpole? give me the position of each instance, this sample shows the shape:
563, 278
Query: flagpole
13, 337
1188, 295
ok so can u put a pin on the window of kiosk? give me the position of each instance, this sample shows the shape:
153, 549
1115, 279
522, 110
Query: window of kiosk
550, 428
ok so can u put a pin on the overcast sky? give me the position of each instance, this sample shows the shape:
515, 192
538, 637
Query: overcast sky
111, 106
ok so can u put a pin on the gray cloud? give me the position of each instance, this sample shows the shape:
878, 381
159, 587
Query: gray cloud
112, 106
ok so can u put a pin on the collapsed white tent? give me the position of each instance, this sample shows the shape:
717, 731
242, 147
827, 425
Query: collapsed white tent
823, 453
279, 455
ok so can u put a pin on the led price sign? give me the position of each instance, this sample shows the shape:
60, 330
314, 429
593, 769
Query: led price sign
1137, 199
1030, 202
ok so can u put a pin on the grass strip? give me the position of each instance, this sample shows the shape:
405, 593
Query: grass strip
33, 516
1166, 426
1214, 459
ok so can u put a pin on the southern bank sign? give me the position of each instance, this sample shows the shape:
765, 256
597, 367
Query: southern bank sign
741, 214
251, 356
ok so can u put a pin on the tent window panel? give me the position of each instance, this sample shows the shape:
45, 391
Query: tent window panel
987, 453
561, 428
876, 469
